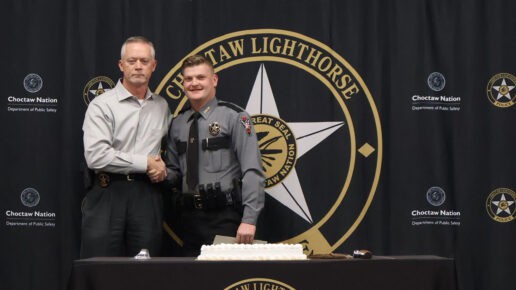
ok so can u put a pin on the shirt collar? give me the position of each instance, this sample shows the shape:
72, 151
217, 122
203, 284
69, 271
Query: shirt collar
124, 94
206, 109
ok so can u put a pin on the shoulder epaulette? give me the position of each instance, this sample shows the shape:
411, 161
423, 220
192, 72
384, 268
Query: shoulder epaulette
231, 106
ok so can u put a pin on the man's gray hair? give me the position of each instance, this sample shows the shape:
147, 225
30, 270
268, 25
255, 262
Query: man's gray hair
141, 39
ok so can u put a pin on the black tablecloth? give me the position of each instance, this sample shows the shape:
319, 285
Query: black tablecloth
379, 273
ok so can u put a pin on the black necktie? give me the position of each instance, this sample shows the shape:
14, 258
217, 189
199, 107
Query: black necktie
192, 158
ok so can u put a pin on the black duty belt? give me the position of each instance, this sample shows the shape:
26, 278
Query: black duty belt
104, 178
207, 202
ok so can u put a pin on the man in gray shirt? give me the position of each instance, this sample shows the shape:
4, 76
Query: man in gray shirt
213, 155
123, 129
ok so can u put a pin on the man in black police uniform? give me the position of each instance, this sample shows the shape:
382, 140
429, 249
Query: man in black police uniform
213, 154
123, 129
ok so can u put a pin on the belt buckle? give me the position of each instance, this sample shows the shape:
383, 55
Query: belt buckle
197, 201
130, 177
103, 179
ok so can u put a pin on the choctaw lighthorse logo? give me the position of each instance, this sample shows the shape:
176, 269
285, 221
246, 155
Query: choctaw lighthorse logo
501, 205
290, 132
96, 87
259, 283
500, 90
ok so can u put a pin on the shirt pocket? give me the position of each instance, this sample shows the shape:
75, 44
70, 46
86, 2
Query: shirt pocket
217, 160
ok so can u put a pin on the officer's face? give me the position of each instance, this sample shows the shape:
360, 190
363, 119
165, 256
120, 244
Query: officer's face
199, 83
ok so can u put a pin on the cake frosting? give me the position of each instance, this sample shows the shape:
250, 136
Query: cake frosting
252, 252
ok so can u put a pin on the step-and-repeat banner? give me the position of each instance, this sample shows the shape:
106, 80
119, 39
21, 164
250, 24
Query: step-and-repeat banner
385, 125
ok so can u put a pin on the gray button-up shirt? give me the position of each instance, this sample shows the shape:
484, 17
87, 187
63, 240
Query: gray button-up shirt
242, 160
120, 132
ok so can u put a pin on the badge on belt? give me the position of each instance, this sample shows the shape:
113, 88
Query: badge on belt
103, 180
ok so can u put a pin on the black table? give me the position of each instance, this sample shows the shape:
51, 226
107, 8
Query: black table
378, 273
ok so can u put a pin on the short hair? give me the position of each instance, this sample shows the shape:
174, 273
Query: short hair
194, 60
140, 39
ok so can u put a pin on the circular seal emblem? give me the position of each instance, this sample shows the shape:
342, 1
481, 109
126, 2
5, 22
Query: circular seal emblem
95, 87
277, 146
29, 197
500, 90
32, 83
317, 127
259, 283
214, 128
435, 196
436, 81
500, 205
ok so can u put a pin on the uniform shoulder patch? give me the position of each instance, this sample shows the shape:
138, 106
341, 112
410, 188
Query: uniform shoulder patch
246, 122
232, 106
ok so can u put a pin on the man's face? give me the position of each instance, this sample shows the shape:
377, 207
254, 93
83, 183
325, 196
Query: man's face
137, 63
199, 82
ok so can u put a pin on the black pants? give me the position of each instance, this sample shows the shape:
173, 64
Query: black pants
200, 227
122, 219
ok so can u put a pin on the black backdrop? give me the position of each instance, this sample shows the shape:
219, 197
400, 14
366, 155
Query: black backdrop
436, 175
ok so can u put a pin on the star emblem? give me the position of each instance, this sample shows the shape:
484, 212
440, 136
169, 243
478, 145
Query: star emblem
307, 135
503, 205
503, 90
99, 90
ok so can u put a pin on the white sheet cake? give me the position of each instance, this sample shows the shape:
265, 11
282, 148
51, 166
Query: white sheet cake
252, 252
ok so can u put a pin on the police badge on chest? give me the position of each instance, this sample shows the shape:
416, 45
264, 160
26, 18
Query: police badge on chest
214, 128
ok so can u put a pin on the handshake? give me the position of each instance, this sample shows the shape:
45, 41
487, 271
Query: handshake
156, 169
